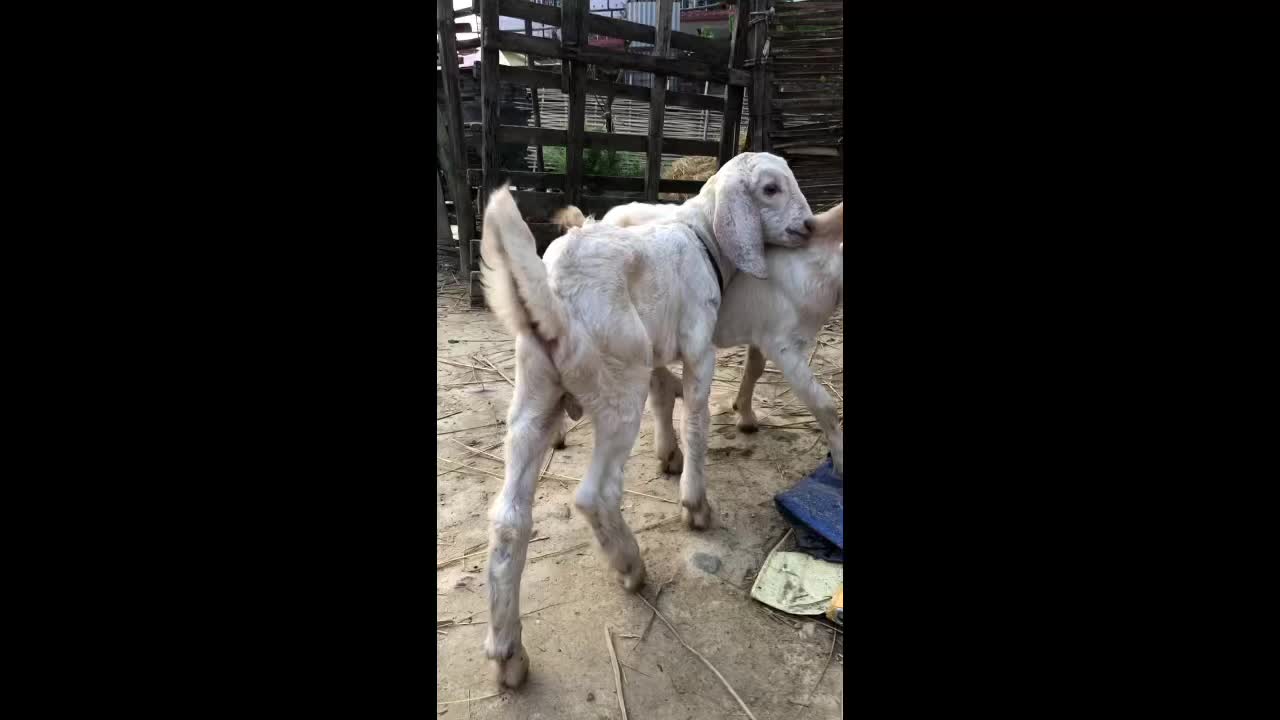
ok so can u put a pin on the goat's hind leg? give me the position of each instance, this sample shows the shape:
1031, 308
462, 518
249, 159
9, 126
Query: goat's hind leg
698, 372
535, 407
599, 496
663, 390
752, 371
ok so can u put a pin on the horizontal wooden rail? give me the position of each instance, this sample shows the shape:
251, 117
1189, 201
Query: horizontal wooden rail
689, 69
524, 77
711, 50
520, 135
804, 105
590, 182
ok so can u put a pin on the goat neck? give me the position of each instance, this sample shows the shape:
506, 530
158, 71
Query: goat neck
698, 212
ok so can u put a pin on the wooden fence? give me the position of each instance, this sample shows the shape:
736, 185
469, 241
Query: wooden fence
572, 83
806, 102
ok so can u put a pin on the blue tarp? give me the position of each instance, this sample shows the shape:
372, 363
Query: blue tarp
815, 508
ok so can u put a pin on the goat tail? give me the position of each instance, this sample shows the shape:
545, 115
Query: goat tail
569, 217
516, 283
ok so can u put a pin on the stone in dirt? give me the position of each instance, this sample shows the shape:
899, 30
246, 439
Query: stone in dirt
709, 564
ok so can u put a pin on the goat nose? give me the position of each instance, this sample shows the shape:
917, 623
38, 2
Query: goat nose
809, 224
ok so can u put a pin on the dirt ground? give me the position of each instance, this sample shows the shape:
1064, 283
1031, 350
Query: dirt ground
782, 666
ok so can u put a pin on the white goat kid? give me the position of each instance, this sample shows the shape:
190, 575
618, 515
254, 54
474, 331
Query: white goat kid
592, 319
778, 318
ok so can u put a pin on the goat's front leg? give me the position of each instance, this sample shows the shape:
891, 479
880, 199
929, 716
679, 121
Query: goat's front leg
534, 408
663, 389
698, 371
792, 360
751, 373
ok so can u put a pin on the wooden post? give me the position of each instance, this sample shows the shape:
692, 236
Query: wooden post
537, 110
490, 102
444, 236
455, 152
759, 141
657, 104
490, 97
733, 93
573, 35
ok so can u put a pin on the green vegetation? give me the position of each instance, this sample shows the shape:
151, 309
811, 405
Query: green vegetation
597, 162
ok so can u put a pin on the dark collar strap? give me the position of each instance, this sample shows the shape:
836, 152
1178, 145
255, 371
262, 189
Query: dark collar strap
706, 248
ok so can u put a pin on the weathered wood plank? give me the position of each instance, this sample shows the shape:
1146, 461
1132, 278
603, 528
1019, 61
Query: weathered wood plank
490, 99
808, 42
760, 80
733, 94
525, 77
603, 141
453, 155
815, 150
709, 49
490, 105
545, 14
595, 184
783, 74
682, 67
573, 37
657, 105
537, 101
813, 16
810, 7
444, 236
824, 93
807, 105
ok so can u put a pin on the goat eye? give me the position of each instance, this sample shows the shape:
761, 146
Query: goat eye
770, 189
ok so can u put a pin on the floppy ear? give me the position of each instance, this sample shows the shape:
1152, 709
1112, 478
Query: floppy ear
737, 225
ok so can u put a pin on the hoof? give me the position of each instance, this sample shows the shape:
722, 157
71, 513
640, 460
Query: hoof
558, 443
697, 518
512, 672
633, 580
748, 424
674, 464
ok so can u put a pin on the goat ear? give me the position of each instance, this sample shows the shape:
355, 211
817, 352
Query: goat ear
737, 225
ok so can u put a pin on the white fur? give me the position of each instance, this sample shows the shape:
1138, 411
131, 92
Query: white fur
779, 318
605, 307
639, 214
